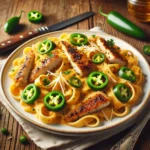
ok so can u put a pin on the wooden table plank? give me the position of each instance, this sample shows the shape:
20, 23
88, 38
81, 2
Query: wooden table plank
56, 11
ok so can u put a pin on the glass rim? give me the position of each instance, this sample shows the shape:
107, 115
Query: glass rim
139, 2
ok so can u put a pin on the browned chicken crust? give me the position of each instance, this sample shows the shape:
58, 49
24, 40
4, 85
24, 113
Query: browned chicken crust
111, 53
47, 64
93, 103
81, 64
25, 69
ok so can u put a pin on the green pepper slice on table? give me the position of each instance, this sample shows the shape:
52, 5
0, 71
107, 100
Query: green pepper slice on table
45, 47
30, 94
78, 39
97, 80
75, 82
35, 16
54, 101
98, 58
146, 50
127, 74
122, 92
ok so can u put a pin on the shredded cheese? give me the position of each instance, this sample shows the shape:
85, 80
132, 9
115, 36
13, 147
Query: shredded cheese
92, 48
59, 79
106, 117
112, 110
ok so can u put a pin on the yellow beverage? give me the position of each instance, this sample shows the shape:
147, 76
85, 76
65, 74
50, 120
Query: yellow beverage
140, 9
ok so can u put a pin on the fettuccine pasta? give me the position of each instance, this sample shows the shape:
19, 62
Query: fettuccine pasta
74, 86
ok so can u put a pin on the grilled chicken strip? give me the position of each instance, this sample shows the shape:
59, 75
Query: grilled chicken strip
79, 61
46, 64
25, 69
112, 55
93, 103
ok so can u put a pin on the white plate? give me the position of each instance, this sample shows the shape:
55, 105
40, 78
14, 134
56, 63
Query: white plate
115, 126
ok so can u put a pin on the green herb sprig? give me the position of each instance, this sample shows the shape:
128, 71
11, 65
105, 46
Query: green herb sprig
110, 42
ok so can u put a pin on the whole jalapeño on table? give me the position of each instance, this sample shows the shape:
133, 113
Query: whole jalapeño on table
123, 25
11, 24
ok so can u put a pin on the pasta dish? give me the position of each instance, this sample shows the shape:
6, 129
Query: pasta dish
76, 80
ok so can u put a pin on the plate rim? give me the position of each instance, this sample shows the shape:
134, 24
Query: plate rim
61, 131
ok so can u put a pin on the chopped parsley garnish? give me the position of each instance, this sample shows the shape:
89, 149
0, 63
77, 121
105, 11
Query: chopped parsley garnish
67, 72
46, 82
50, 55
12, 70
38, 57
93, 35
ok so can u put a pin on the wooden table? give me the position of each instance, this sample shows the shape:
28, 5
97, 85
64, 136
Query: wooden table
56, 11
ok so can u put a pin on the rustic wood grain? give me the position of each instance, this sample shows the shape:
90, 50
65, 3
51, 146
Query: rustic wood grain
55, 11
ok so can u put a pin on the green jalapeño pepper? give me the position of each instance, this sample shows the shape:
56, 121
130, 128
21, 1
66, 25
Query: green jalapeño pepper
46, 46
12, 23
75, 82
30, 94
54, 101
146, 50
123, 25
127, 74
78, 39
98, 58
122, 92
35, 16
97, 80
